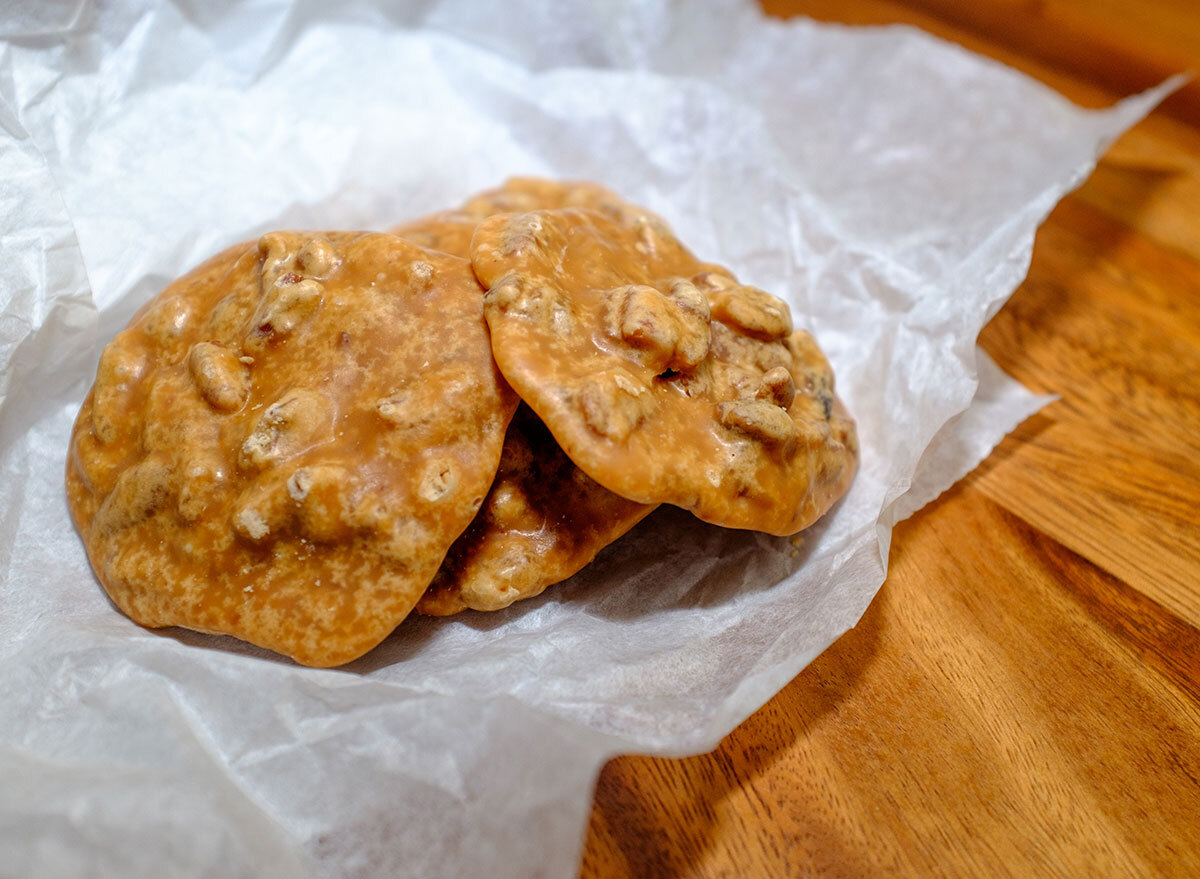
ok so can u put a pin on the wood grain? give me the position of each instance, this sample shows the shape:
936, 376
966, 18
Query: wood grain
1035, 740
1023, 696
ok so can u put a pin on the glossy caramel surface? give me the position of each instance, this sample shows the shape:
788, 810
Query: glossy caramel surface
661, 377
283, 444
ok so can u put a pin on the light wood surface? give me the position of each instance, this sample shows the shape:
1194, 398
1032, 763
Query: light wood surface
1023, 696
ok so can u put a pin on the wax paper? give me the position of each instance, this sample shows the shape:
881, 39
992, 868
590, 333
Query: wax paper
887, 184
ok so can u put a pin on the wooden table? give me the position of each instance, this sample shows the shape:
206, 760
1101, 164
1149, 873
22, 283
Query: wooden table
1023, 696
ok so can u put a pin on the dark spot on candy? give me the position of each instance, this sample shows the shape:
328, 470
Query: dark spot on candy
289, 278
344, 339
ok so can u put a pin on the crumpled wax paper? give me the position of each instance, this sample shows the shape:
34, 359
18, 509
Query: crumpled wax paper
887, 184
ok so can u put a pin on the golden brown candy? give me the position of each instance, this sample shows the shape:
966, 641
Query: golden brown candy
283, 444
451, 231
544, 519
663, 378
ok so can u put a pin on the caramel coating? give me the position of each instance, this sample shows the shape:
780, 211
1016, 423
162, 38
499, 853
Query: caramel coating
448, 231
524, 194
544, 518
542, 521
663, 378
284, 443
451, 231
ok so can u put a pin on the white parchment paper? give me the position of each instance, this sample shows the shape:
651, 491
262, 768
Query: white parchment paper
887, 184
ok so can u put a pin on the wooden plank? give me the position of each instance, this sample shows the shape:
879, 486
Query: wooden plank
1111, 321
1131, 509
1150, 180
978, 721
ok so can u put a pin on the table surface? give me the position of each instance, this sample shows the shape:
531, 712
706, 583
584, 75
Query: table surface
1023, 696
